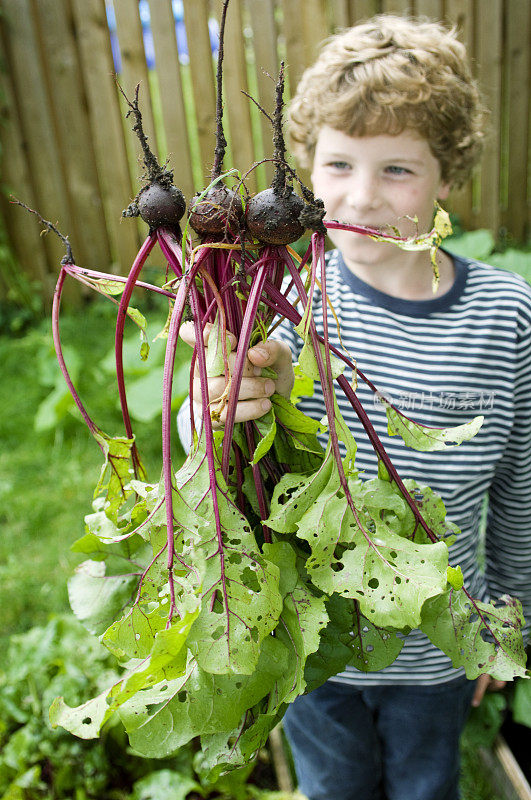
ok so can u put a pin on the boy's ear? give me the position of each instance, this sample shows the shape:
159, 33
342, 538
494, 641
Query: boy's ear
444, 191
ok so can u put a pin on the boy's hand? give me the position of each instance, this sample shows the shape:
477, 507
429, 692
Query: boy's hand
255, 390
484, 683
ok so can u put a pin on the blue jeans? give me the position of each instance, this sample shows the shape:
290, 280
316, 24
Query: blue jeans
392, 742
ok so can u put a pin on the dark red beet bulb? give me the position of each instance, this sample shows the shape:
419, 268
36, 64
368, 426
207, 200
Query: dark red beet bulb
219, 209
273, 217
161, 206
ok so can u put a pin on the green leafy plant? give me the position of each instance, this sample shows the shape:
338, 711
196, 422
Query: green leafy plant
481, 245
38, 763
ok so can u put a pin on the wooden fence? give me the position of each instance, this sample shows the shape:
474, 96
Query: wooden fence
67, 150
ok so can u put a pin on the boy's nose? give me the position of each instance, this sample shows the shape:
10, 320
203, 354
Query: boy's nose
363, 194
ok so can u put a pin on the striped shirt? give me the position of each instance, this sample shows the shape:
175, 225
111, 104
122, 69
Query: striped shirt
443, 361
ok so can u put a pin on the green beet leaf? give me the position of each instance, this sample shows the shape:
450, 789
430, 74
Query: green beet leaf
295, 493
165, 783
303, 617
97, 598
350, 639
116, 473
267, 428
362, 558
241, 599
133, 636
221, 752
432, 509
373, 648
110, 287
522, 703
288, 415
166, 662
161, 719
481, 637
308, 362
300, 452
421, 437
334, 651
84, 721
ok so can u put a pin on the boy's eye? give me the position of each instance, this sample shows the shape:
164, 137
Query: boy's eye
394, 170
339, 165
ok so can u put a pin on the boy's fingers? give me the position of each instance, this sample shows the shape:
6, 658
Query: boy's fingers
484, 683
248, 369
187, 334
267, 353
247, 410
250, 389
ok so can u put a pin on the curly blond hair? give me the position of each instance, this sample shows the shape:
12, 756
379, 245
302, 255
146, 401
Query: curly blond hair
385, 76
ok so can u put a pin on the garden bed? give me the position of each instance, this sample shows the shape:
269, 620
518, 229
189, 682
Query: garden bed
504, 771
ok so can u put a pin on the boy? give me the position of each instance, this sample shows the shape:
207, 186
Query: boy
388, 119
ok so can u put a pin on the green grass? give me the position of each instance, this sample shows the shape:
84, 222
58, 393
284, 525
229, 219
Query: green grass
475, 783
47, 478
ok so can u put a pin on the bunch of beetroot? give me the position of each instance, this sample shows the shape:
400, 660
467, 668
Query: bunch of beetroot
264, 564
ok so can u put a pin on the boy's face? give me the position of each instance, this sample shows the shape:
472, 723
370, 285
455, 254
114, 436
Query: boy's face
376, 181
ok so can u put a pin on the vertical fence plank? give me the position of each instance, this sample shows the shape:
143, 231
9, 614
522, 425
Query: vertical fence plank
171, 93
133, 71
72, 131
429, 8
37, 127
236, 103
363, 9
293, 29
489, 56
397, 7
106, 126
267, 64
461, 14
340, 14
201, 67
15, 177
315, 27
515, 146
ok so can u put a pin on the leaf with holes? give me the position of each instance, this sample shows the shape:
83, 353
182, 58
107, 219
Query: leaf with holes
167, 662
161, 719
303, 617
334, 651
241, 599
433, 512
423, 438
241, 602
362, 558
116, 472
373, 648
225, 751
295, 493
481, 637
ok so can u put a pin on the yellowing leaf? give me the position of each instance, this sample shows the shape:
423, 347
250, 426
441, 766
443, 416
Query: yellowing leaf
110, 287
